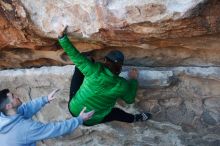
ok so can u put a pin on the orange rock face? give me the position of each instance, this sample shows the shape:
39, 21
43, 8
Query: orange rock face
190, 40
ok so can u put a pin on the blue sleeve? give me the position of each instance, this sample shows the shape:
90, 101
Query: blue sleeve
32, 107
39, 131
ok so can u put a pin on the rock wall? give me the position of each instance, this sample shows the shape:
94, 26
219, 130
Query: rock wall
185, 102
174, 44
151, 33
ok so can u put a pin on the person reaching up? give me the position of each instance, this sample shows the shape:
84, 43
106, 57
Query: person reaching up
98, 86
17, 127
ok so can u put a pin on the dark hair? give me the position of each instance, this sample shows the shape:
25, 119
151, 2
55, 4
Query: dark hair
115, 67
3, 99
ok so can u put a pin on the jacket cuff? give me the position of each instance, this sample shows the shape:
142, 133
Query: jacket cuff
62, 37
45, 99
80, 120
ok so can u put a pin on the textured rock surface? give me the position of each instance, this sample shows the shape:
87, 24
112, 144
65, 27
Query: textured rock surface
176, 41
185, 113
151, 33
88, 16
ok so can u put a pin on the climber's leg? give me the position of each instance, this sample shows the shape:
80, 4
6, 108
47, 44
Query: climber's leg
118, 114
76, 82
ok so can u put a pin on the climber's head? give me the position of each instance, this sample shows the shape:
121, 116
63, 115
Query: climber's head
114, 61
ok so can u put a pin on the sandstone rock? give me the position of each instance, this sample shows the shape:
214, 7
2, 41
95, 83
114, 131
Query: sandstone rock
152, 79
168, 38
211, 103
87, 17
207, 118
159, 33
183, 118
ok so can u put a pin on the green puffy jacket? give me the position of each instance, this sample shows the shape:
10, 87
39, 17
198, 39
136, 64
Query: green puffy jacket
100, 88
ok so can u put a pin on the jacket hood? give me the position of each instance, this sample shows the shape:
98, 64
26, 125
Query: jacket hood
8, 122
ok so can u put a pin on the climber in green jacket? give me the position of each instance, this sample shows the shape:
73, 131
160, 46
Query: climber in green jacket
97, 86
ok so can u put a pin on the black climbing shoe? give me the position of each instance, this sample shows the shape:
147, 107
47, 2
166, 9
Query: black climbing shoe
142, 117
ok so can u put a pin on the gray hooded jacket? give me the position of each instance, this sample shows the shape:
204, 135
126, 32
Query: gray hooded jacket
21, 130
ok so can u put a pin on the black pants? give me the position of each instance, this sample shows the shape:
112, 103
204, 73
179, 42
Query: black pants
116, 114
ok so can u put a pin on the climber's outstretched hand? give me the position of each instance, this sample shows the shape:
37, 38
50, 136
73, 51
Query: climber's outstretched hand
62, 30
133, 73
